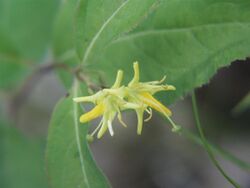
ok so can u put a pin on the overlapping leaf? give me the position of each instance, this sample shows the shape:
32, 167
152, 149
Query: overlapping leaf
69, 161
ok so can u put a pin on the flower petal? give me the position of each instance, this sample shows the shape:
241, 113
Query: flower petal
155, 104
118, 79
136, 77
92, 114
107, 124
103, 129
84, 99
110, 128
139, 113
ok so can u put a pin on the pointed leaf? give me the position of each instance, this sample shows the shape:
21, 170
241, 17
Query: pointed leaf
69, 161
188, 41
100, 22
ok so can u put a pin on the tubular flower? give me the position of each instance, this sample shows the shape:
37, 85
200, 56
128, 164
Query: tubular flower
109, 103
141, 93
138, 96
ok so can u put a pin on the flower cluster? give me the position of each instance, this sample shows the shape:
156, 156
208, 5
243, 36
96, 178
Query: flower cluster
137, 96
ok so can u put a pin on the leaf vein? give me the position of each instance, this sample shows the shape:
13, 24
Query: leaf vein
95, 38
172, 30
78, 137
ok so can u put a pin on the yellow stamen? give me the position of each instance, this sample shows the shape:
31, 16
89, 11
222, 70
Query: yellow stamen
157, 82
149, 111
92, 114
97, 128
153, 103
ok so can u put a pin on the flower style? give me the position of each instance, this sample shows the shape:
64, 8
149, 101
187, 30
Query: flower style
137, 96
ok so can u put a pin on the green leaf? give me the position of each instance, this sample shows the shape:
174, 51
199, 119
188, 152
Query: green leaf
63, 39
12, 67
11, 72
188, 41
21, 160
25, 34
100, 22
69, 161
28, 24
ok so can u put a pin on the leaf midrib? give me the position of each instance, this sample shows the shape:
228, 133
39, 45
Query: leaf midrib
79, 147
96, 36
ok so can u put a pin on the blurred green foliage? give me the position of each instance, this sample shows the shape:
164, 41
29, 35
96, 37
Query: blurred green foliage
25, 35
21, 159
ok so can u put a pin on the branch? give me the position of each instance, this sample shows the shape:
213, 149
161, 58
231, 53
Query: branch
21, 96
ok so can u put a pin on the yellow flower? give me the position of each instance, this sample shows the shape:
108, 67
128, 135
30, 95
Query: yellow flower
109, 103
141, 93
137, 96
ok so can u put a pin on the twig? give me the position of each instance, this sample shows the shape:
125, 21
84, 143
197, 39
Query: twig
82, 77
24, 91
